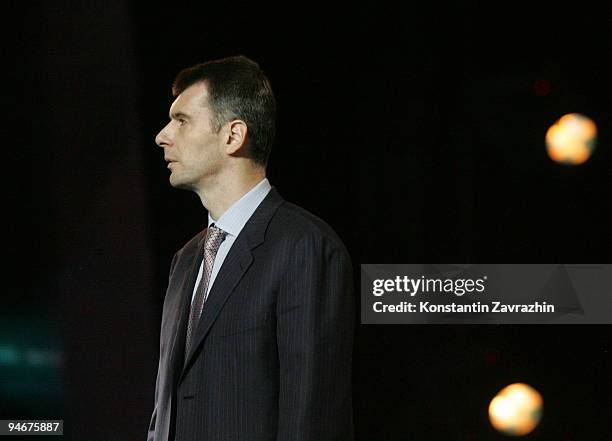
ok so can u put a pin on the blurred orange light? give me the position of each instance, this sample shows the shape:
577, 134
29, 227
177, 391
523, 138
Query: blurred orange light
571, 140
516, 409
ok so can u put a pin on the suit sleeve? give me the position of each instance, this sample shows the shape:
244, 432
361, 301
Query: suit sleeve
315, 323
151, 430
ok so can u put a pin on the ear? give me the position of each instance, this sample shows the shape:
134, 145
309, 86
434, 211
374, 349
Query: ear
236, 141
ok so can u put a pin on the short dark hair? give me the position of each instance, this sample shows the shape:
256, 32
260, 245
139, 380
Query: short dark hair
237, 88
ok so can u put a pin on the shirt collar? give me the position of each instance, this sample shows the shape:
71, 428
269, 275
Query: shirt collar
234, 218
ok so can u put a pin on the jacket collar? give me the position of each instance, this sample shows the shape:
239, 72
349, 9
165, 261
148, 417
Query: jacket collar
255, 228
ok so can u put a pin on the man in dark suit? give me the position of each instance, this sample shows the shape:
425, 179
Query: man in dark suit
257, 326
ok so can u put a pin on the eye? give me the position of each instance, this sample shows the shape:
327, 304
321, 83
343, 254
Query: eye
182, 122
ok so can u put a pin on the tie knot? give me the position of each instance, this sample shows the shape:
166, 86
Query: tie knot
214, 237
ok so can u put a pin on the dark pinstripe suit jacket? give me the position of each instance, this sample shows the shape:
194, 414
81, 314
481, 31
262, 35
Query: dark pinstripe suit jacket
271, 358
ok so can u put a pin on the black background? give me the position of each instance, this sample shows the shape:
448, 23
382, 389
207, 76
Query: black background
415, 132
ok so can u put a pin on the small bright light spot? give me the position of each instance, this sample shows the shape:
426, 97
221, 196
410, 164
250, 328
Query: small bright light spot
516, 410
571, 140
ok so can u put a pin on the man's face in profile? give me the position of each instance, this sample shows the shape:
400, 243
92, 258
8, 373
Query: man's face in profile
194, 153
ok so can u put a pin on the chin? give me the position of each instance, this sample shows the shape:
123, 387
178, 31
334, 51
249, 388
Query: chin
174, 181
180, 184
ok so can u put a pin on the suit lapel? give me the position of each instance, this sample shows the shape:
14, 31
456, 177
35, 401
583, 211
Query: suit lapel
234, 266
236, 263
182, 317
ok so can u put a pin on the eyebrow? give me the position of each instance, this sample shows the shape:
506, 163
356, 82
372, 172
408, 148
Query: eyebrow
177, 115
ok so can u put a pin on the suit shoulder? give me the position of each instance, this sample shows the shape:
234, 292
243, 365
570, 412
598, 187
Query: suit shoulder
294, 223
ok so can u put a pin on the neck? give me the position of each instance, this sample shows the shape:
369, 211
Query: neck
220, 195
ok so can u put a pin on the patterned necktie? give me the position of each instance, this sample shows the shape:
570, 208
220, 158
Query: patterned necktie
214, 237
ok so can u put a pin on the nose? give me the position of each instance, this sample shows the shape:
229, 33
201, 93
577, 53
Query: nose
162, 139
